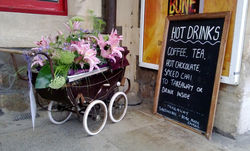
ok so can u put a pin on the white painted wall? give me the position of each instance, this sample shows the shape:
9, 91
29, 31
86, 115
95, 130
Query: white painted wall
233, 109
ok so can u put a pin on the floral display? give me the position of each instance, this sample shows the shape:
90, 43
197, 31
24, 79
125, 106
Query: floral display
76, 52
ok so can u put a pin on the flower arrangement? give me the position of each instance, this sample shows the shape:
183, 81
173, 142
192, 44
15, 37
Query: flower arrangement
77, 52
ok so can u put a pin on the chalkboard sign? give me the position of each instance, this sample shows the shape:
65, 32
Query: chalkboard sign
189, 74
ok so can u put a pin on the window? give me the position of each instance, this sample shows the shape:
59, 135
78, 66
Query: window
52, 7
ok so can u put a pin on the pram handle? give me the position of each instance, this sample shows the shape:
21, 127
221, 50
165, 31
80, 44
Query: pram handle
29, 53
49, 59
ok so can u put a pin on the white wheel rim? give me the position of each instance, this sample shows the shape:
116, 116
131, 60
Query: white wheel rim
111, 105
85, 117
51, 117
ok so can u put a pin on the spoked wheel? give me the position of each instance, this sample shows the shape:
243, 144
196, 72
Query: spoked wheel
118, 106
58, 112
95, 117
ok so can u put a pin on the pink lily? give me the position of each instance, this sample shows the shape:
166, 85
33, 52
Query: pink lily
59, 33
114, 49
75, 27
90, 57
81, 47
114, 38
114, 42
102, 44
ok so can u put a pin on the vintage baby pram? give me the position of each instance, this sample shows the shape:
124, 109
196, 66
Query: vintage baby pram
92, 96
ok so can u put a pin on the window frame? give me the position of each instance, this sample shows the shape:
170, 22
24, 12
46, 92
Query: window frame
35, 7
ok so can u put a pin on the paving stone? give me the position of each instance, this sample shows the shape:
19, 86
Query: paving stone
1, 112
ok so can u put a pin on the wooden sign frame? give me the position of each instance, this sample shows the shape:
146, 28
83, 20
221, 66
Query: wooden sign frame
226, 16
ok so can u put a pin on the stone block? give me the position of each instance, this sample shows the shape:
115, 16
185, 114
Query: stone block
244, 121
146, 76
11, 81
17, 102
146, 91
227, 115
1, 112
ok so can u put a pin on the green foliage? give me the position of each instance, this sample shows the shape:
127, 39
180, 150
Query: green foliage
66, 57
98, 24
63, 54
77, 18
57, 83
74, 19
43, 78
62, 70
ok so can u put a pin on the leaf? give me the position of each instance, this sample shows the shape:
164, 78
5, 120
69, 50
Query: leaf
57, 83
77, 18
70, 24
66, 57
43, 78
62, 70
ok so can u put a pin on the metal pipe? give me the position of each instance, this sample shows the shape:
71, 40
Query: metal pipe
110, 14
15, 51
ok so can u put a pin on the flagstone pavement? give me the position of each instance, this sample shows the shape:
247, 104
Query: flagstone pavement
140, 130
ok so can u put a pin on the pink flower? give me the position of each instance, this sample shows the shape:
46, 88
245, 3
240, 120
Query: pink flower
111, 48
102, 44
88, 55
43, 44
81, 46
75, 26
59, 33
91, 59
114, 38
38, 59
114, 42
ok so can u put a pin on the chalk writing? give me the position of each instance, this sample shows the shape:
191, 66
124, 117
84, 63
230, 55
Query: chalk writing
181, 84
166, 90
188, 70
176, 51
196, 32
198, 53
187, 66
167, 111
183, 95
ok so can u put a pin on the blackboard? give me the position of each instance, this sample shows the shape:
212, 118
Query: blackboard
190, 68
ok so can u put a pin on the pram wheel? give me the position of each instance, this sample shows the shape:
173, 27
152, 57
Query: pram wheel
118, 106
95, 117
58, 112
